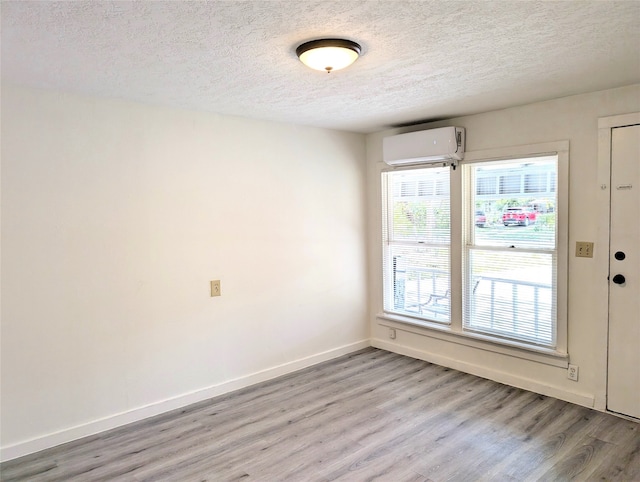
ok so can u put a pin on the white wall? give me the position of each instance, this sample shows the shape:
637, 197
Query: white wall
574, 119
115, 217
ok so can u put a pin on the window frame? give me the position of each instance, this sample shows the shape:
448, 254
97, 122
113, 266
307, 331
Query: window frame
459, 208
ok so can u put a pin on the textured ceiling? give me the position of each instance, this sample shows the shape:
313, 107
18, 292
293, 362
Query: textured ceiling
422, 60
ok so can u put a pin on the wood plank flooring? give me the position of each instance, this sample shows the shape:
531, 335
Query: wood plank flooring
371, 415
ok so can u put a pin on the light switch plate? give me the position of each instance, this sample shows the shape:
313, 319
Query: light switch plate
584, 249
215, 288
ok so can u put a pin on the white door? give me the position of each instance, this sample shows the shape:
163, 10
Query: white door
623, 385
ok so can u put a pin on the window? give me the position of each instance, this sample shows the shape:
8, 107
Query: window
486, 185
408, 188
417, 233
510, 184
510, 249
425, 187
535, 182
509, 266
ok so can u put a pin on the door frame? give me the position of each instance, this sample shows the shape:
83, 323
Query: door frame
602, 247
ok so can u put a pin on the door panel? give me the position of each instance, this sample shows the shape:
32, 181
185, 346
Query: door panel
623, 381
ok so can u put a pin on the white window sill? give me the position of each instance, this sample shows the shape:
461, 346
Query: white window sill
439, 331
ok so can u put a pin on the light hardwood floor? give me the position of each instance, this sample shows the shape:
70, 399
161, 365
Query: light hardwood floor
371, 415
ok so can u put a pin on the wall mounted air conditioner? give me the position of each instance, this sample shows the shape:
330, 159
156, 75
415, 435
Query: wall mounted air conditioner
445, 144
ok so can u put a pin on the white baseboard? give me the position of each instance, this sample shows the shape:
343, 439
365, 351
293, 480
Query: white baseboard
140, 413
484, 372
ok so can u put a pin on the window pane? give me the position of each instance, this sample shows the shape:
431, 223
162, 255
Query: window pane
420, 213
521, 215
420, 282
511, 294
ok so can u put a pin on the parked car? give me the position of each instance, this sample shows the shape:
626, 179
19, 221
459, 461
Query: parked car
481, 219
518, 216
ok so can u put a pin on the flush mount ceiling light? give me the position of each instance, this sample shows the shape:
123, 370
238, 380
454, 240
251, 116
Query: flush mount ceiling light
328, 54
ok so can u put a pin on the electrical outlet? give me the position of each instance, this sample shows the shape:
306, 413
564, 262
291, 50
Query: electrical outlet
392, 333
584, 249
215, 288
572, 373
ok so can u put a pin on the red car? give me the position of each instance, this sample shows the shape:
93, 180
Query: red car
518, 216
